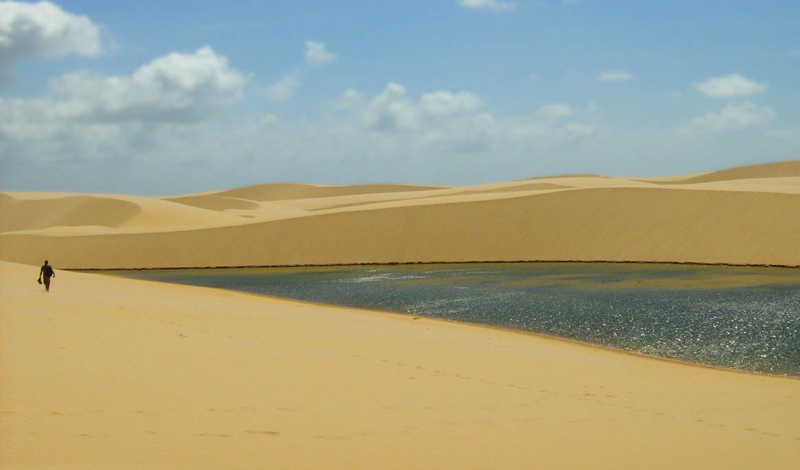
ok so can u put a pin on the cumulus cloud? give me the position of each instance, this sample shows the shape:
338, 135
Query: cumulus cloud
457, 123
30, 31
284, 88
87, 107
318, 54
731, 117
178, 86
391, 126
394, 110
391, 110
496, 5
733, 85
615, 76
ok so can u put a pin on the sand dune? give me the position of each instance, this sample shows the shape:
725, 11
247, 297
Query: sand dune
520, 187
65, 211
279, 192
27, 212
605, 224
114, 373
215, 203
105, 372
752, 219
769, 170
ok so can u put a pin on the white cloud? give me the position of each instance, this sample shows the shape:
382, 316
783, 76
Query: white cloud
43, 30
731, 117
85, 111
284, 88
177, 86
390, 126
447, 124
318, 54
615, 76
30, 31
455, 122
349, 99
445, 102
393, 110
733, 85
496, 5
554, 111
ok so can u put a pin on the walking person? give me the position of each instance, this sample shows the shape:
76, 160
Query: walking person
45, 274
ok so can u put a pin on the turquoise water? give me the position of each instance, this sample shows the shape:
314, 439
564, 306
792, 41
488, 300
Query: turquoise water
740, 318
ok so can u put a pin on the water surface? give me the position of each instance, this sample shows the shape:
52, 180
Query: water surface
732, 317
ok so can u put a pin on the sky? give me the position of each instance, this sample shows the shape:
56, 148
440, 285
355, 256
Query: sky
174, 97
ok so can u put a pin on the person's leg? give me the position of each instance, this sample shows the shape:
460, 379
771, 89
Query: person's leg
47, 284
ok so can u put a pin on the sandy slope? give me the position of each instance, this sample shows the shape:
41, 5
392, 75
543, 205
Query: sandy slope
751, 218
114, 373
769, 170
616, 224
35, 211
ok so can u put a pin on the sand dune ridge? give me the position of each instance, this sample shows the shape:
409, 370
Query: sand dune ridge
753, 219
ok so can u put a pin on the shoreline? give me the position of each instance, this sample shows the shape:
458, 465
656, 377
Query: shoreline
390, 314
144, 374
416, 263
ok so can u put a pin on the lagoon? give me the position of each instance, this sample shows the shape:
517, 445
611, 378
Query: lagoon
743, 318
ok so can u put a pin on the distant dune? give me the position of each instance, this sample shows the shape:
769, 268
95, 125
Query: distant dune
280, 192
747, 215
44, 212
769, 170
215, 203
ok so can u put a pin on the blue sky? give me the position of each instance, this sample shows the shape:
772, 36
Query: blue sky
172, 97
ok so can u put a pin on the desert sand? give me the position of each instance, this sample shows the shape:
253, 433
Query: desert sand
748, 215
105, 372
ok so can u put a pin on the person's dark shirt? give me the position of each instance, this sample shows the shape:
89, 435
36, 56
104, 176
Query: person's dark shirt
47, 271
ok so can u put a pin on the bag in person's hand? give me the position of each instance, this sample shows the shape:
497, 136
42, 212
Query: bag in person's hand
39, 280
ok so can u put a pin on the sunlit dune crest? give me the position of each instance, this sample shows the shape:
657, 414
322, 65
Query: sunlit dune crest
767, 170
747, 215
279, 191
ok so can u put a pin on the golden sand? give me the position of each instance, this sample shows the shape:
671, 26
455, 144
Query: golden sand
753, 218
105, 372
108, 373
